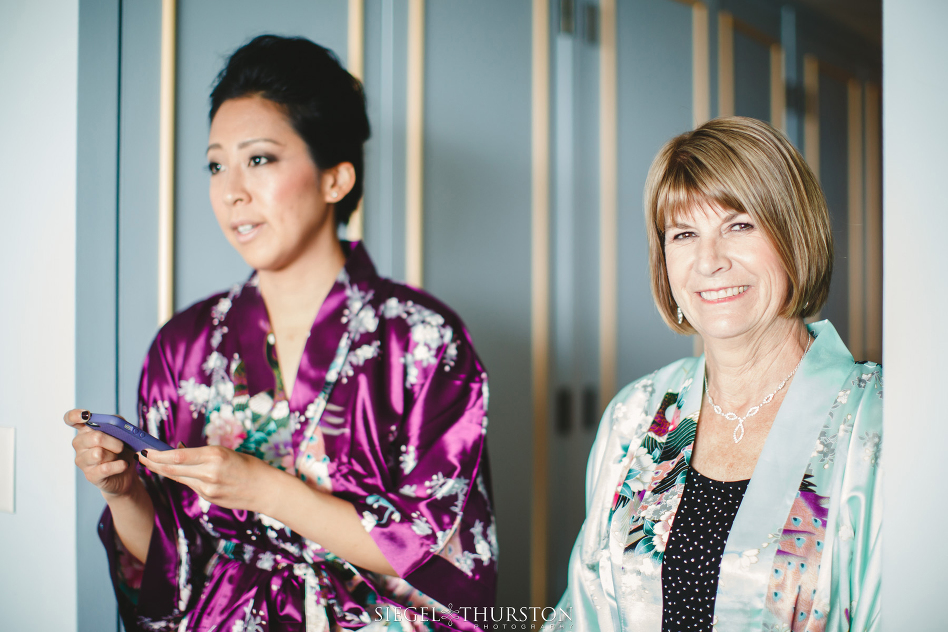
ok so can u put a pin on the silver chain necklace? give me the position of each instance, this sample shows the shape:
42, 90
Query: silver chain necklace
755, 409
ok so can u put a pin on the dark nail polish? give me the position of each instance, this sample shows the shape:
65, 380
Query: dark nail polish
86, 415
145, 453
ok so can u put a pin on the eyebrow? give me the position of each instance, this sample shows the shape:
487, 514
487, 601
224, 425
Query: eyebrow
727, 218
244, 143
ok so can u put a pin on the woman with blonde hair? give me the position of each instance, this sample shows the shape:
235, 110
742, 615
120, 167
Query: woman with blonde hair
739, 490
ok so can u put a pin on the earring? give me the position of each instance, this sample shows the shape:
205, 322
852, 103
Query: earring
334, 194
680, 316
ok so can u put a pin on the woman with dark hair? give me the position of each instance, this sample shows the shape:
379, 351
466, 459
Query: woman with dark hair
739, 490
335, 471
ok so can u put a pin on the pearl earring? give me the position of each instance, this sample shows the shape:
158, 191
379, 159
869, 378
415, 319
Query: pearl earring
334, 195
680, 316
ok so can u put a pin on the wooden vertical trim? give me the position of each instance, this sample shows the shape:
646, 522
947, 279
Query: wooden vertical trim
725, 64
414, 168
873, 254
608, 202
355, 58
778, 90
355, 53
540, 296
700, 88
856, 222
700, 64
166, 162
811, 117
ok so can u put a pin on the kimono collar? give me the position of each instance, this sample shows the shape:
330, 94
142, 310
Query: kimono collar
749, 553
827, 349
249, 323
692, 388
358, 266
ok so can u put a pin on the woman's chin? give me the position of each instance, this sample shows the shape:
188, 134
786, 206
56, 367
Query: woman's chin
723, 329
259, 261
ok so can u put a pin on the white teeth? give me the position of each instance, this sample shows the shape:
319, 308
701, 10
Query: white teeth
717, 295
243, 229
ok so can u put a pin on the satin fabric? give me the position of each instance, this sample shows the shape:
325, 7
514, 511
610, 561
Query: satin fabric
401, 435
804, 552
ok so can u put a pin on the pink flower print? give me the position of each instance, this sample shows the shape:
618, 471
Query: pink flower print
223, 429
674, 420
660, 424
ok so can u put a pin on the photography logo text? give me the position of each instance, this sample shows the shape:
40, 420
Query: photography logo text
494, 618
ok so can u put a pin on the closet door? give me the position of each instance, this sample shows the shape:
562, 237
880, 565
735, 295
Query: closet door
476, 232
655, 102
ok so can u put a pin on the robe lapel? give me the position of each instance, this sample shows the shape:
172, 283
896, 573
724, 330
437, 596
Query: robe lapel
692, 391
332, 321
637, 581
248, 324
752, 544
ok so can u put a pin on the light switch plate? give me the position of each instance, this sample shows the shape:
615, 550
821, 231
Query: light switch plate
7, 445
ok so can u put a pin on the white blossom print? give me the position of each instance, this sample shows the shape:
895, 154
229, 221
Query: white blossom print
440, 487
484, 549
368, 521
266, 561
408, 459
420, 525
184, 573
251, 622
195, 394
872, 447
359, 315
429, 334
156, 416
358, 357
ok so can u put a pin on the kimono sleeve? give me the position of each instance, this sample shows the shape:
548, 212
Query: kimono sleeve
156, 595
857, 586
432, 517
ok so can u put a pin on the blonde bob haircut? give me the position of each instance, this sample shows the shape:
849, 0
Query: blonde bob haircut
745, 165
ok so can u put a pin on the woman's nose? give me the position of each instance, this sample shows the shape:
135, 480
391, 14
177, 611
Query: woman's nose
712, 256
234, 190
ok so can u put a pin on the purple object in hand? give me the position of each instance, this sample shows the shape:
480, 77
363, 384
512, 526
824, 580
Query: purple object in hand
132, 436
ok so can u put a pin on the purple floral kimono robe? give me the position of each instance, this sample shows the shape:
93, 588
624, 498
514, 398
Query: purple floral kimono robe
389, 412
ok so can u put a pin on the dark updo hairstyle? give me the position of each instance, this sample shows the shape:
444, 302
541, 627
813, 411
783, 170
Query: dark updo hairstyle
324, 103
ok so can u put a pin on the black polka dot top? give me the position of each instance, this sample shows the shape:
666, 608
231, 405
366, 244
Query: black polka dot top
694, 551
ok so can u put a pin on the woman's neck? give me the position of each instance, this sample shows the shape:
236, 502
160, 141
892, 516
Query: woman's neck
294, 294
742, 371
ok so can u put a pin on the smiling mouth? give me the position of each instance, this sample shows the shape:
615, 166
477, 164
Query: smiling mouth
717, 295
243, 229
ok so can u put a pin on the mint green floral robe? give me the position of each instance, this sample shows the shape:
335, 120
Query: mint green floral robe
804, 552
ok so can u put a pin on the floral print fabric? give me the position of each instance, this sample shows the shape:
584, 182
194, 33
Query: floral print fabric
388, 411
804, 550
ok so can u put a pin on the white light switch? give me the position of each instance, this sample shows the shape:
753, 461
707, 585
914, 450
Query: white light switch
6, 469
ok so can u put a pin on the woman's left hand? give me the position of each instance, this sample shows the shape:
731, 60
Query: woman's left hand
218, 475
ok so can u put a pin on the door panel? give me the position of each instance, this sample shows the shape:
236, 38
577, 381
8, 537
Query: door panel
477, 227
834, 144
655, 103
574, 266
751, 77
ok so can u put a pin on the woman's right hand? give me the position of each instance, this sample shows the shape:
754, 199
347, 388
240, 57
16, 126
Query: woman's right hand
106, 462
